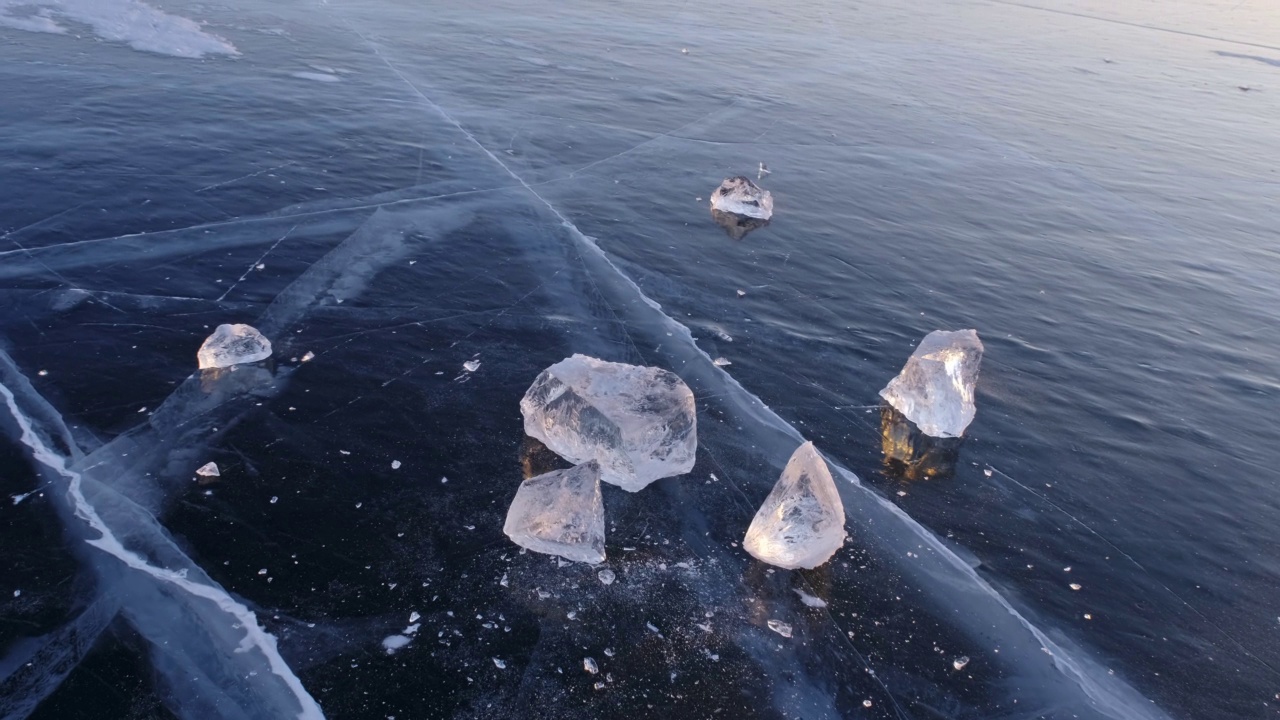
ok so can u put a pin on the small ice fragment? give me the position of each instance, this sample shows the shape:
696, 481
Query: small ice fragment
811, 601
274, 499
444, 480
607, 576
935, 388
504, 582
344, 452
902, 493
393, 643
639, 423
608, 651
17, 593
232, 345
1088, 616
309, 356
209, 469
1075, 586
42, 373
764, 170
589, 664
780, 627
414, 616
721, 362
471, 365
866, 703
986, 471
261, 266
263, 571
500, 664
742, 293
142, 409
960, 662
740, 196
801, 523
684, 51
395, 464
560, 513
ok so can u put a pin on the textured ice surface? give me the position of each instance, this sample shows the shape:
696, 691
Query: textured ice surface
801, 523
560, 513
639, 423
935, 388
232, 345
142, 26
741, 196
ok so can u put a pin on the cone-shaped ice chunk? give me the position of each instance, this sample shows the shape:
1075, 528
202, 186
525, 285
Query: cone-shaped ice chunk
741, 196
640, 423
232, 345
801, 523
935, 388
560, 513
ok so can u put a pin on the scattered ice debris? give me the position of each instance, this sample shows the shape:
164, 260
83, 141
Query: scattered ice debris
960, 662
274, 499
43, 373
639, 423
902, 493
209, 469
232, 345
1075, 586
684, 51
504, 582
866, 703
17, 499
261, 266
414, 617
471, 365
742, 293
801, 522
740, 196
395, 464
607, 576
764, 170
309, 356
443, 480
589, 664
560, 513
935, 388
142, 409
780, 627
1088, 616
811, 601
986, 471
393, 643
721, 362
345, 452
500, 664
608, 652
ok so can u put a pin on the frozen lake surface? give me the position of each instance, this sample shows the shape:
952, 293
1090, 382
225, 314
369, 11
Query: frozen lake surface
422, 206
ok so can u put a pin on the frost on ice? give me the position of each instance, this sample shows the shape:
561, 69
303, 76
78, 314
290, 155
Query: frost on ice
560, 513
801, 523
233, 345
639, 423
935, 388
740, 196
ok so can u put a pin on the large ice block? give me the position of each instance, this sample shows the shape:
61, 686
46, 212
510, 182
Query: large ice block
639, 423
935, 388
232, 345
801, 523
741, 196
560, 513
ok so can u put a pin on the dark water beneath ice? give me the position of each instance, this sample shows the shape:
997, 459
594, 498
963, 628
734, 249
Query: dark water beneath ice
1090, 187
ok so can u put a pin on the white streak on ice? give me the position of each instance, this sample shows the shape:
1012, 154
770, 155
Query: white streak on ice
142, 26
255, 636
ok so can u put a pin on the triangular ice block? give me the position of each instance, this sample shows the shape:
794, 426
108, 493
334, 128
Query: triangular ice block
560, 513
801, 523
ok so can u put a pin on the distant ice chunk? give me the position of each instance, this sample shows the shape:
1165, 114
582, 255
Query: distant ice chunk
233, 345
801, 523
780, 627
639, 423
143, 26
589, 664
935, 388
560, 513
810, 600
607, 576
392, 643
209, 469
471, 365
740, 196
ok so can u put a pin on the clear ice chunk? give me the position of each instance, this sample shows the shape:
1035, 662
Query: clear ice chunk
209, 469
233, 345
560, 513
935, 388
740, 196
801, 523
639, 423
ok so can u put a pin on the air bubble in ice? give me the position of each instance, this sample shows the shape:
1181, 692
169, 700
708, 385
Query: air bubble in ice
560, 513
232, 345
801, 523
935, 388
639, 423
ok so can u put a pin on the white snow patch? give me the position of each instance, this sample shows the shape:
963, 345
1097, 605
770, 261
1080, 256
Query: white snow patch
141, 26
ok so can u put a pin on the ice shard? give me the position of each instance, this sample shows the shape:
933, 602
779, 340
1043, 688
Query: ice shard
801, 523
233, 345
560, 513
639, 423
741, 196
935, 388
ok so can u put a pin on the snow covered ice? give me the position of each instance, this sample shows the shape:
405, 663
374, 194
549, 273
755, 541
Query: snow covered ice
639, 423
560, 513
935, 388
233, 345
741, 196
801, 523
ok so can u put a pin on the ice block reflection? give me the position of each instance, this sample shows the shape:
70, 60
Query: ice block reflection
910, 453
